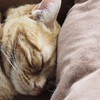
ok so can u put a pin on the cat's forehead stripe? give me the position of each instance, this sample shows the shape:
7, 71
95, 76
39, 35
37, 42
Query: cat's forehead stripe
32, 45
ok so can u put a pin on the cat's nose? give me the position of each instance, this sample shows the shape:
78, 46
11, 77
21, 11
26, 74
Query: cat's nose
36, 87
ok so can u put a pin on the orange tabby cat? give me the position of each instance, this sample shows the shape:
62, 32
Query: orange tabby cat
29, 48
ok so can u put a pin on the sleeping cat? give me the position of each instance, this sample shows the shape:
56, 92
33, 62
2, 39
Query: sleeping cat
29, 49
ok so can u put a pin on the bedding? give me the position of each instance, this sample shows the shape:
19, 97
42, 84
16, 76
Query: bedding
83, 17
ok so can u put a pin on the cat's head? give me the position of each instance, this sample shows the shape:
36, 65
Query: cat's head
29, 48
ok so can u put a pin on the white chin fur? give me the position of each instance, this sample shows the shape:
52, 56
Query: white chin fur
20, 89
16, 84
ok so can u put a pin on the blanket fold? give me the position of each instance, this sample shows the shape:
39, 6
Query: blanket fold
78, 63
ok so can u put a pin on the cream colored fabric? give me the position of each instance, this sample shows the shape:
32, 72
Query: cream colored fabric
78, 64
86, 89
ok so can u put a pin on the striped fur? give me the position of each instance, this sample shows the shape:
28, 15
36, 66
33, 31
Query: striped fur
28, 51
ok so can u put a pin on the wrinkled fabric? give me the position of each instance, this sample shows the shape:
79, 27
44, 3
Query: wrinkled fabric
83, 18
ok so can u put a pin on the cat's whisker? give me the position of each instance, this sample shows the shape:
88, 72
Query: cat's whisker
14, 56
7, 58
14, 64
51, 91
17, 67
13, 61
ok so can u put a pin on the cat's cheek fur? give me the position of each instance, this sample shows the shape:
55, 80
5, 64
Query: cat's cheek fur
7, 91
28, 89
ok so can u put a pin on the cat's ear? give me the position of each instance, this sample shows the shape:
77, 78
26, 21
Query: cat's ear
46, 11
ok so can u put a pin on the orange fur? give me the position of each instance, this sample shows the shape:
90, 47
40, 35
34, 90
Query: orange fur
28, 51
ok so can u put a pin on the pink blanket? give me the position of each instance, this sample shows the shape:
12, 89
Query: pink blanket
78, 64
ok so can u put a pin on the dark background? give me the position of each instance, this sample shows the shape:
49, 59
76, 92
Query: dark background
66, 5
44, 96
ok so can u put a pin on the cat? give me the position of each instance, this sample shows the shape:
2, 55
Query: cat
28, 49
79, 53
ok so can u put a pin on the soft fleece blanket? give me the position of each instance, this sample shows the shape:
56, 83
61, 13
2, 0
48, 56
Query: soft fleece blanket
84, 17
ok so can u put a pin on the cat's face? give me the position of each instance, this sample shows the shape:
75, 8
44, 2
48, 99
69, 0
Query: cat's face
30, 47
35, 58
